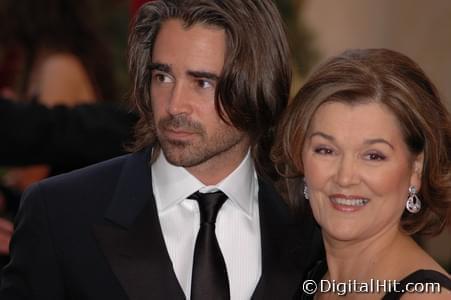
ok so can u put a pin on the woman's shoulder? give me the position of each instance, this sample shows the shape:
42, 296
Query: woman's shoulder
428, 274
423, 275
58, 62
422, 284
65, 80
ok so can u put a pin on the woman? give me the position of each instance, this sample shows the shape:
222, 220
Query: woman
369, 142
53, 55
60, 59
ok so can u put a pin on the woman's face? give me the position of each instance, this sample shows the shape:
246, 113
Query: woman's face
358, 170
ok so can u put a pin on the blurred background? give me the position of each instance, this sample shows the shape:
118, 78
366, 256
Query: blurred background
419, 29
317, 29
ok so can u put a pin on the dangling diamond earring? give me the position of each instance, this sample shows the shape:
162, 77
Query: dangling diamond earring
306, 195
413, 204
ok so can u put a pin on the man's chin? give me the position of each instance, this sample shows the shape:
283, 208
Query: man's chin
185, 156
180, 160
176, 153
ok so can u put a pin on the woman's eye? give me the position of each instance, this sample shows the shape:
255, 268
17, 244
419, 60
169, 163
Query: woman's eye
375, 156
323, 151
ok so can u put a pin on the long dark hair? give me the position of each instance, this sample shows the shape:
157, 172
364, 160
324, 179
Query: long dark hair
254, 86
60, 26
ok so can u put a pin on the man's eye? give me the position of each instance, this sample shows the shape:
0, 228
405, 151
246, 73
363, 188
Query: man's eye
162, 78
204, 84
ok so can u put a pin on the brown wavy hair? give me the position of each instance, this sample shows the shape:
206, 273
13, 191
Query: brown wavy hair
394, 80
253, 89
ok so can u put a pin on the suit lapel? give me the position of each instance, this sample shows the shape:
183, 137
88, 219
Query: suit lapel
131, 236
133, 243
289, 247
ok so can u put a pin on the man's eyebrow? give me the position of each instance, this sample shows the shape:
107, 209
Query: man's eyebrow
160, 67
203, 74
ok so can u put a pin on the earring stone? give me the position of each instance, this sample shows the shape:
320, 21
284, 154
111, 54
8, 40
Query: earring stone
413, 203
306, 194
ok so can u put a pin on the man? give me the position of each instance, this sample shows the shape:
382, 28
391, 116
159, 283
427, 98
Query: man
210, 80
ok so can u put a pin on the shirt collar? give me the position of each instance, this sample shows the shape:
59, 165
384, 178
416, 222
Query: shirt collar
172, 184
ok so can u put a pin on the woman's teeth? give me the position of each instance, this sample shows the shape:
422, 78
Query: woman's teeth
350, 202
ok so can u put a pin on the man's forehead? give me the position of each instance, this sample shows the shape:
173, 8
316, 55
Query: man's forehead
197, 46
205, 24
187, 26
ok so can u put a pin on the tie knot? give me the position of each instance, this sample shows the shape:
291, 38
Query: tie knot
209, 205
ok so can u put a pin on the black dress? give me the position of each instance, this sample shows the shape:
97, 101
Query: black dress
419, 276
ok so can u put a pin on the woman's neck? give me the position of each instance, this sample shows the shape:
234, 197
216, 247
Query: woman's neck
367, 259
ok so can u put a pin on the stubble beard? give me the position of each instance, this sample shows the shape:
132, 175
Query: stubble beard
201, 147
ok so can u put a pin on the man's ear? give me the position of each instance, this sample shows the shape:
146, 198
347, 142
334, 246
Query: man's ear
417, 171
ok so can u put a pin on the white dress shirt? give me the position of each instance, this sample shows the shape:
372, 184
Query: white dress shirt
237, 223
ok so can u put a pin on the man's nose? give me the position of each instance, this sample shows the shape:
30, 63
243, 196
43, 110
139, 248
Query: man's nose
180, 100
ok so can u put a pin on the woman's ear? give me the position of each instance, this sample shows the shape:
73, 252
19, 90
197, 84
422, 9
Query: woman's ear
417, 171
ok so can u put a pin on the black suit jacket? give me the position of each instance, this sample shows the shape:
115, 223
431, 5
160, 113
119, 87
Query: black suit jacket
94, 234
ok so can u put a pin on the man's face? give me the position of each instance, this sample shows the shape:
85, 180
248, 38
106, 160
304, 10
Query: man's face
186, 65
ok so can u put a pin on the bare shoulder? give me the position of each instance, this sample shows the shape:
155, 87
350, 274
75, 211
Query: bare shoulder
65, 65
417, 258
417, 268
64, 80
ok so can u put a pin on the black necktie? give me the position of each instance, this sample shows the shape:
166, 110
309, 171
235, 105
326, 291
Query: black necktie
209, 279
